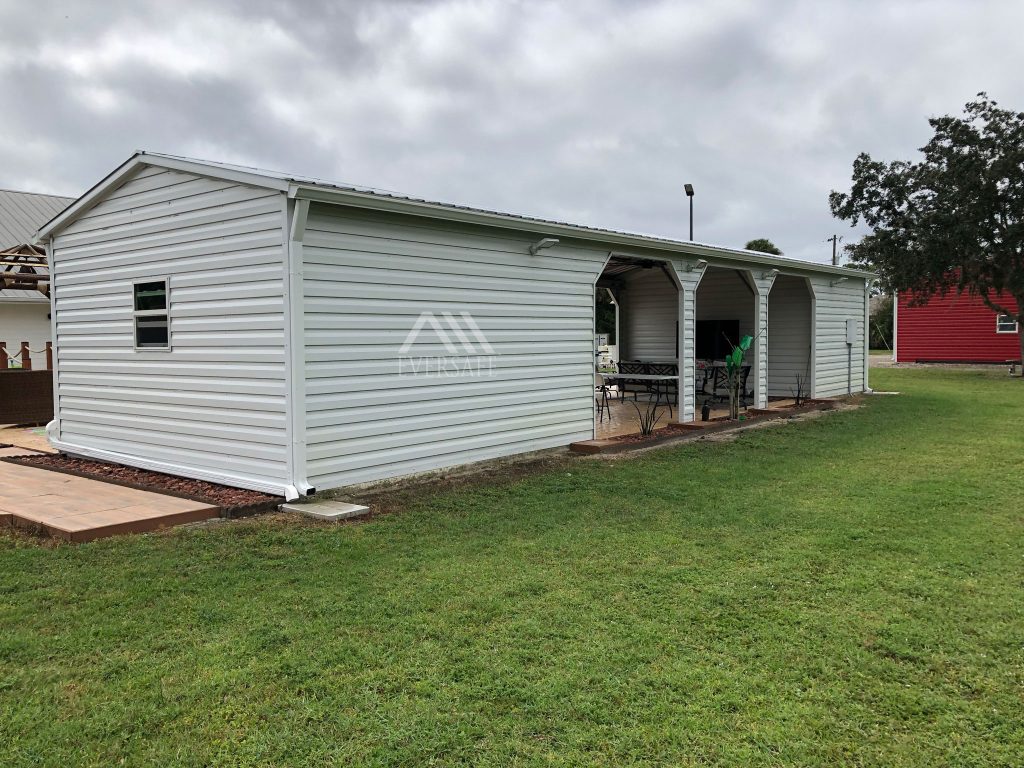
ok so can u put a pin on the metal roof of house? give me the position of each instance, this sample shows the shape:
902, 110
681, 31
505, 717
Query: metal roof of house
370, 197
22, 213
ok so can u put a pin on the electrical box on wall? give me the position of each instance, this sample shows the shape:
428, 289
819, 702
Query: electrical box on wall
851, 332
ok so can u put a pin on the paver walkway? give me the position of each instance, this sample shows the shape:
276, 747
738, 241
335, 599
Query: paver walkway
81, 509
33, 438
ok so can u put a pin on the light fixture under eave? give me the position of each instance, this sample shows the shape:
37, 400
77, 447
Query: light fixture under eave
771, 274
701, 264
834, 283
540, 245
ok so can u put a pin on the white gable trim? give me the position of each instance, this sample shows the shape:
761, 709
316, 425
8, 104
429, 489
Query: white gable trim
141, 159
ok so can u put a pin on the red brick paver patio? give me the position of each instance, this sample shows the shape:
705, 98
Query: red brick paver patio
82, 509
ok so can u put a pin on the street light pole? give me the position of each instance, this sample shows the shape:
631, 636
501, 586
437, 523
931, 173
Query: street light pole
689, 194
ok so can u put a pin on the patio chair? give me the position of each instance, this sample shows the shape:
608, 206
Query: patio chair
628, 386
720, 384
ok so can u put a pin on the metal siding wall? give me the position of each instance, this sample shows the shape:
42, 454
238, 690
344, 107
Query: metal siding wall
650, 309
835, 305
215, 403
367, 279
789, 317
953, 328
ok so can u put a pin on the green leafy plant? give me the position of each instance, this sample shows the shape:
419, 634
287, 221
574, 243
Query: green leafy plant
734, 372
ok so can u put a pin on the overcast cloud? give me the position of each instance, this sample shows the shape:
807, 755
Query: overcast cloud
591, 112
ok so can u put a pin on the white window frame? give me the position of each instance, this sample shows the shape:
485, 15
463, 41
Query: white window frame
141, 313
1000, 321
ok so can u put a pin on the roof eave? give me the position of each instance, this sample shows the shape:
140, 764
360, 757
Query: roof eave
358, 199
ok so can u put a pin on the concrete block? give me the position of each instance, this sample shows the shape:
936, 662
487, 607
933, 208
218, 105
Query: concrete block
327, 510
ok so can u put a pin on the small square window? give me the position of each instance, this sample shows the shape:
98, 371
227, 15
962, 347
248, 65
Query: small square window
1005, 324
152, 323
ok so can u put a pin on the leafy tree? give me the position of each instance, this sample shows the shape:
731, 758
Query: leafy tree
953, 221
763, 245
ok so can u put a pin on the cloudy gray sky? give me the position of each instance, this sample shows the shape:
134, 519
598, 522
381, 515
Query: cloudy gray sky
594, 112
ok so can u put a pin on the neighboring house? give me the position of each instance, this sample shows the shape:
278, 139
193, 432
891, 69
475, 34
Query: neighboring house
286, 335
24, 311
954, 329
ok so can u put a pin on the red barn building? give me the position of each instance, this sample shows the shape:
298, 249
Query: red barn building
954, 329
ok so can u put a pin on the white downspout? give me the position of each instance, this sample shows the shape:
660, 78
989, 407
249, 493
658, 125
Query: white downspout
298, 211
867, 333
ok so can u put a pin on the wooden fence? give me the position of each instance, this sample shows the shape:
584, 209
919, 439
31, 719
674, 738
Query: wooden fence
26, 391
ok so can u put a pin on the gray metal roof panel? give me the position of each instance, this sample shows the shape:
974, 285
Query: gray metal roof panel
22, 213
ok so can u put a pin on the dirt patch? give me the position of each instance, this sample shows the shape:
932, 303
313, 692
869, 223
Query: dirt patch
233, 502
391, 496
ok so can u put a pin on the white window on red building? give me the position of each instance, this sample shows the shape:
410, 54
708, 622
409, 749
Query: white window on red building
1005, 324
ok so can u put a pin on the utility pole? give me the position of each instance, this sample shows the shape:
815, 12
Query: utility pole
835, 239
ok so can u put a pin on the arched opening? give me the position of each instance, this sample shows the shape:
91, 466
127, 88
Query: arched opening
791, 335
643, 348
725, 312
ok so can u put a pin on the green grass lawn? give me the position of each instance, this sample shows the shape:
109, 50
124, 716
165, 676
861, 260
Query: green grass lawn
840, 590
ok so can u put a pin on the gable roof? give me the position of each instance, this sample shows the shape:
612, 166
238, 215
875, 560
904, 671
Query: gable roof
22, 213
308, 188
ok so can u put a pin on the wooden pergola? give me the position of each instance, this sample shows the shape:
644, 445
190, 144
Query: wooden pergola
24, 267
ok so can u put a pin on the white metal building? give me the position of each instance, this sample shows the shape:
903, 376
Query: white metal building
286, 334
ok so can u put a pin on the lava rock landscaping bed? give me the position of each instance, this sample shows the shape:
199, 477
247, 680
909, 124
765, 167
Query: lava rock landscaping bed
233, 502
